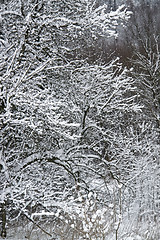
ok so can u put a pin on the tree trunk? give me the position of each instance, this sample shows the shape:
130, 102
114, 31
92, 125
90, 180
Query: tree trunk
3, 216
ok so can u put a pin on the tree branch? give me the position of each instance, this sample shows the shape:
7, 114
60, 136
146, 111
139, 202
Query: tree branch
36, 224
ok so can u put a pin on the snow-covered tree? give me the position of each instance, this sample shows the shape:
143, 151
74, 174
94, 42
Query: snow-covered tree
67, 123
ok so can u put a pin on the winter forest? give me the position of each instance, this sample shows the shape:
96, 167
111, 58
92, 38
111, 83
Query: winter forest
79, 119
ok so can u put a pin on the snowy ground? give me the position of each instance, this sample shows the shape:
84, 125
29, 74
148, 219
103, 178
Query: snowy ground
127, 231
130, 229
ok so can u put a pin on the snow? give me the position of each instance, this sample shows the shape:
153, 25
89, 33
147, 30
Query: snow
79, 142
18, 233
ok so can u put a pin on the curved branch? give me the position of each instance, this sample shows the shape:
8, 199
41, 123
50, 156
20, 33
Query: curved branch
36, 224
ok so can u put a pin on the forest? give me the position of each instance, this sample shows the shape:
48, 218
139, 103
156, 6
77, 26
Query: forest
79, 119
